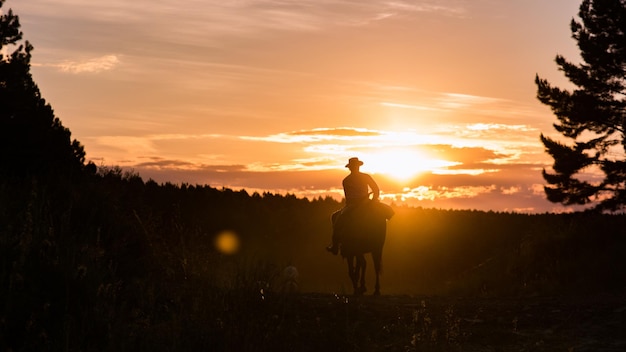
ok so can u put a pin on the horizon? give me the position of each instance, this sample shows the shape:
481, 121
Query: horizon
437, 98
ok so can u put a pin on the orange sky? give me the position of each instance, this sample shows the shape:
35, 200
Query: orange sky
436, 97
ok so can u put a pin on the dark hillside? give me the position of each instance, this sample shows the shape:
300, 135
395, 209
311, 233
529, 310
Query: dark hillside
110, 262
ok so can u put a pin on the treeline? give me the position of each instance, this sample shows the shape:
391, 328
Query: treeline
106, 260
490, 253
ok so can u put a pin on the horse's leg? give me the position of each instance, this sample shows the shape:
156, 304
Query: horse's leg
361, 265
377, 257
352, 272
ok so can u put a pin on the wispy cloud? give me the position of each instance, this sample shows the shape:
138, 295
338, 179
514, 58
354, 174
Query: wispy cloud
475, 105
239, 17
411, 106
450, 8
147, 144
318, 135
96, 65
171, 164
500, 127
91, 65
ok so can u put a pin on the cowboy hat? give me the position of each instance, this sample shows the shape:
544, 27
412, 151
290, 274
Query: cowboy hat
354, 162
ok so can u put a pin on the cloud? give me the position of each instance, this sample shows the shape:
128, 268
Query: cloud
314, 177
94, 65
537, 189
511, 190
125, 144
120, 146
170, 164
353, 136
319, 149
429, 193
464, 155
340, 131
240, 176
500, 112
318, 135
174, 136
411, 106
444, 7
217, 18
499, 127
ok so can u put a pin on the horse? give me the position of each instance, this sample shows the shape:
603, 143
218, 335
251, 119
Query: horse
363, 230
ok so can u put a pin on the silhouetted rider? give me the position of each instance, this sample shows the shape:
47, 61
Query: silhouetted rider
356, 189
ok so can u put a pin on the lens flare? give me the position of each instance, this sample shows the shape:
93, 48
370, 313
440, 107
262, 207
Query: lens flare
227, 242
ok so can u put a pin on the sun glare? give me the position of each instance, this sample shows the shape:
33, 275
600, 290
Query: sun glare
402, 165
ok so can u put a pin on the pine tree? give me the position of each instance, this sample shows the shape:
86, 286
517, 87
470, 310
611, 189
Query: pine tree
32, 140
589, 162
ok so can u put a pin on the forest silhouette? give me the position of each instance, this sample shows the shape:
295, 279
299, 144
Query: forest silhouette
109, 261
99, 259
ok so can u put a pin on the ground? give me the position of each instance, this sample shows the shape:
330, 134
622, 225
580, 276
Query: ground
322, 322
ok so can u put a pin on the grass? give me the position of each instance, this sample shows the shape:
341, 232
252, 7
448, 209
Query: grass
104, 269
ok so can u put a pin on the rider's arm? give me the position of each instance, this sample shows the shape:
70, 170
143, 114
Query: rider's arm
374, 187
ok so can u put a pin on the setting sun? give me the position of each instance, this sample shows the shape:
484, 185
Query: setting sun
402, 165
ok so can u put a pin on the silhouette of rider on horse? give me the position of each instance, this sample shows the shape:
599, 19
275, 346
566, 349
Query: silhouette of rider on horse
356, 188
